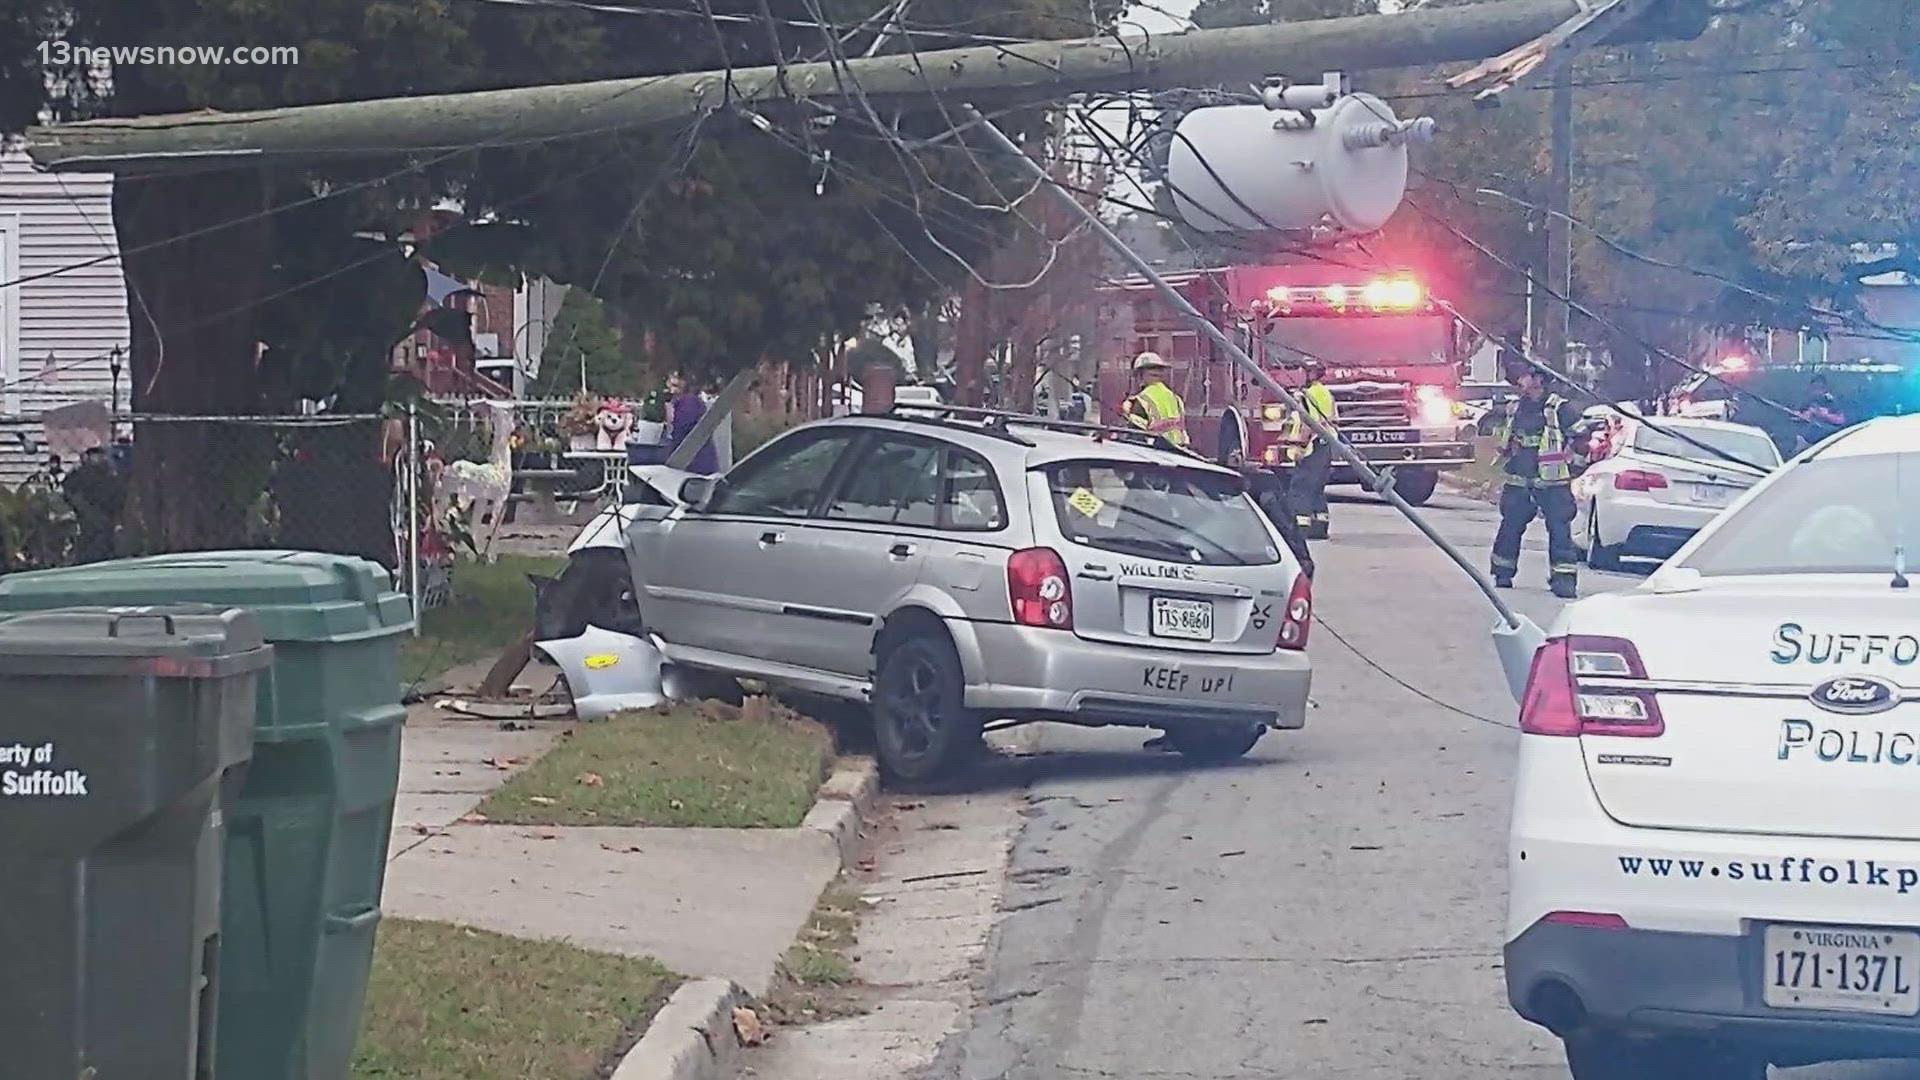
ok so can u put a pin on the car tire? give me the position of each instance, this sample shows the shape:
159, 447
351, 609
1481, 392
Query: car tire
921, 725
1215, 742
1416, 486
595, 589
1599, 556
1596, 1056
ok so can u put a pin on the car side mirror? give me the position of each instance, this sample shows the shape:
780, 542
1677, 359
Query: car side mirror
698, 491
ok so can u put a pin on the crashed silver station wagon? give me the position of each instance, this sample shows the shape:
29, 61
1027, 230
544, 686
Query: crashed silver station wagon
957, 570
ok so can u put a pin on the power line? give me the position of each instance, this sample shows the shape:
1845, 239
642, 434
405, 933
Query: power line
817, 23
1407, 686
1851, 322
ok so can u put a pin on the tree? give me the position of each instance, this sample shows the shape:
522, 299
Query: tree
1760, 158
583, 341
713, 247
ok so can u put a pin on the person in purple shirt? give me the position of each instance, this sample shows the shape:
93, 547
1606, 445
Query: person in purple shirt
684, 412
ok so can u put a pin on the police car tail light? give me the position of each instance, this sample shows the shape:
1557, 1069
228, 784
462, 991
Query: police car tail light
1037, 583
1298, 618
1564, 696
1638, 480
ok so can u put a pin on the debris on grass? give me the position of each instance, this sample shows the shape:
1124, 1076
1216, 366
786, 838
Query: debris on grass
815, 980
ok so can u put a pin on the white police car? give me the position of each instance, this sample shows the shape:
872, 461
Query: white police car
1715, 849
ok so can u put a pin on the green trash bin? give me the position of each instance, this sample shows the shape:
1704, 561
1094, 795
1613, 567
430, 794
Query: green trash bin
122, 735
306, 844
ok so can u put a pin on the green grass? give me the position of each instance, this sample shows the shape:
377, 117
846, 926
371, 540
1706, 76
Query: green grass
451, 1003
684, 765
492, 607
815, 980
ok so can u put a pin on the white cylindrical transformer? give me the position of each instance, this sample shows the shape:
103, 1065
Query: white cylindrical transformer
1249, 169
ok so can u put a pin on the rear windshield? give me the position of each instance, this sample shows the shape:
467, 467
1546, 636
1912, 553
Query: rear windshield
1841, 515
1160, 512
1698, 444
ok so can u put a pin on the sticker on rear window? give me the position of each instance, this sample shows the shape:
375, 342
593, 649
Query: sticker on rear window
1086, 502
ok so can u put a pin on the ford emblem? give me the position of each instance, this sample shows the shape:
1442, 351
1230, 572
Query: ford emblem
1855, 695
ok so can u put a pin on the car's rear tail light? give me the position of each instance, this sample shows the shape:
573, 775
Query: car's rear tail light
1037, 582
1592, 920
1638, 480
1297, 619
1557, 702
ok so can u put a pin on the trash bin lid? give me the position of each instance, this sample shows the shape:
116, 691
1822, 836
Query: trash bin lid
182, 641
295, 595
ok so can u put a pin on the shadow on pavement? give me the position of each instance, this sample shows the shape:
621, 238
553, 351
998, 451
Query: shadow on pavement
1007, 770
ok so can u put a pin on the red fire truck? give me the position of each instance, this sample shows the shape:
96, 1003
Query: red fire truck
1392, 355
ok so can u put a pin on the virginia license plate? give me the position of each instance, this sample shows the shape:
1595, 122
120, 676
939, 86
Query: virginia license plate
1173, 617
1841, 968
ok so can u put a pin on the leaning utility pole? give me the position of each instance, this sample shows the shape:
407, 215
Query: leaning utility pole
1036, 71
1558, 328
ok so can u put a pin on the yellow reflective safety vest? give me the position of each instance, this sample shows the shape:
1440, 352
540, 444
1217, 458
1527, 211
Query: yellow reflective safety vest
1159, 410
1555, 463
1296, 438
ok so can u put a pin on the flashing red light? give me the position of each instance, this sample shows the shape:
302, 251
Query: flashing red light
1378, 295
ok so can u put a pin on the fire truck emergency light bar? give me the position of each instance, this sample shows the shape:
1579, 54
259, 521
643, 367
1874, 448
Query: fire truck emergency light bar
1380, 296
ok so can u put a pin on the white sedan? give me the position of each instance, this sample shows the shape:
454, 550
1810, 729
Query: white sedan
1660, 484
1714, 860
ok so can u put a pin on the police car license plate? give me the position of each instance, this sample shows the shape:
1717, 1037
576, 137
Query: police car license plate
1841, 968
1173, 617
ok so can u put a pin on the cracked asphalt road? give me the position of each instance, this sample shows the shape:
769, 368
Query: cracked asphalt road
1330, 907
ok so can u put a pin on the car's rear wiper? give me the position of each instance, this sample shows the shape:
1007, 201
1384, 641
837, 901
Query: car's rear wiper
1147, 545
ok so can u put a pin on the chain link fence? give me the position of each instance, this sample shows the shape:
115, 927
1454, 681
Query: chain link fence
409, 489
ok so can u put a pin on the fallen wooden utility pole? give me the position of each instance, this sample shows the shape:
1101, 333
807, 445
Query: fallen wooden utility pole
1040, 70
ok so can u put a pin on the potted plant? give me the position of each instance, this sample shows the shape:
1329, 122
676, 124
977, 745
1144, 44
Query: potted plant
581, 422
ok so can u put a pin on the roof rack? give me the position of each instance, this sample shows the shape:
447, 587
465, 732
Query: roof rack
997, 422
939, 415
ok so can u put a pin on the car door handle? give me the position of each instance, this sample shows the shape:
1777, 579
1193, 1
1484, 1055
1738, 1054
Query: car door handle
771, 538
901, 551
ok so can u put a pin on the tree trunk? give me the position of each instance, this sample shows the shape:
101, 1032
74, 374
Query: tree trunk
193, 306
973, 339
334, 494
1022, 372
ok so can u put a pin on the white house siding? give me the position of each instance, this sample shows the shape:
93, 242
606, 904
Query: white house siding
58, 332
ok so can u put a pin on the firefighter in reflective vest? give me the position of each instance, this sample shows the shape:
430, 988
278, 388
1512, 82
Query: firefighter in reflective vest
1535, 454
1155, 406
1310, 456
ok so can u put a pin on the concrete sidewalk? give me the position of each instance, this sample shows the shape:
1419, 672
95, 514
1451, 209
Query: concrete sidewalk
721, 903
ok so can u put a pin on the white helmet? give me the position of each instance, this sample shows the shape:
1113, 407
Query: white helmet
1148, 360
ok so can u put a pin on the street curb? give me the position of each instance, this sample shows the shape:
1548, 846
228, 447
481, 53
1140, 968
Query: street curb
691, 1038
843, 804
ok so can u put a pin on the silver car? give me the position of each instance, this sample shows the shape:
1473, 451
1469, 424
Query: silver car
955, 569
